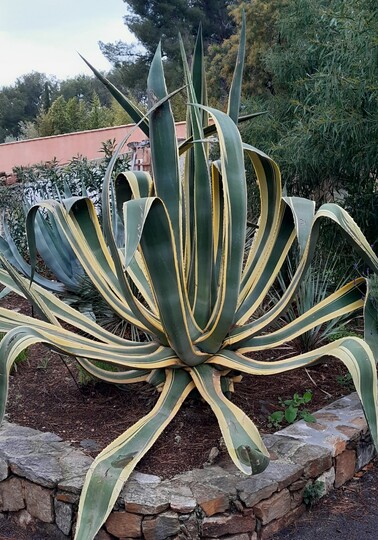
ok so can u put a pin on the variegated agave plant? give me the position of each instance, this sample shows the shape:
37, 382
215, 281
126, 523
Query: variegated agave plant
183, 278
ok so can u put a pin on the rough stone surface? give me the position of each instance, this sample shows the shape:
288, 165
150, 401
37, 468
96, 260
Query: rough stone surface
4, 469
124, 524
345, 467
299, 484
328, 481
189, 525
282, 447
67, 497
314, 459
161, 527
11, 495
63, 516
274, 526
278, 475
102, 535
74, 466
244, 536
39, 502
182, 504
211, 500
365, 451
296, 498
217, 526
273, 508
255, 489
23, 518
146, 500
43, 458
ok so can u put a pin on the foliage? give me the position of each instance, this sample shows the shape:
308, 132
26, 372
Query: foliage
324, 79
293, 409
38, 106
76, 115
262, 17
152, 22
313, 492
185, 280
21, 102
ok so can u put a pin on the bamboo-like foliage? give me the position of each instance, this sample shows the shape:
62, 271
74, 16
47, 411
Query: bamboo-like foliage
183, 278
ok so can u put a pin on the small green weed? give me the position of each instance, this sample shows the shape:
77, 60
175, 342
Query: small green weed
346, 381
342, 333
313, 493
293, 409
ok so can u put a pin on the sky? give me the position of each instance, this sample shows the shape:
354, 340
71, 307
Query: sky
45, 35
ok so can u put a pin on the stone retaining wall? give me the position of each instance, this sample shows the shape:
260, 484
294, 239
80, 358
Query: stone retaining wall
41, 477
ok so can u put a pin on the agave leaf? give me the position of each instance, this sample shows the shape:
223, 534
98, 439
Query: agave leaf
164, 151
126, 103
116, 377
116, 461
235, 212
269, 181
236, 86
303, 213
243, 441
345, 300
198, 75
165, 278
5, 292
371, 319
199, 199
255, 290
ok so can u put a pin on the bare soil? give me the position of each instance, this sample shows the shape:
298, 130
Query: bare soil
45, 394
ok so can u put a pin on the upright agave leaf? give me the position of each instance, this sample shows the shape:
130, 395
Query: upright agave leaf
182, 277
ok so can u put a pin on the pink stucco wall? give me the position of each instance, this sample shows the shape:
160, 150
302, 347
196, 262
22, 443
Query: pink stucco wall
64, 147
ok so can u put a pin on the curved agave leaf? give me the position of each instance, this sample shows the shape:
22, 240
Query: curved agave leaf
118, 459
151, 221
345, 300
126, 103
10, 252
164, 150
243, 441
371, 318
234, 219
236, 85
198, 200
